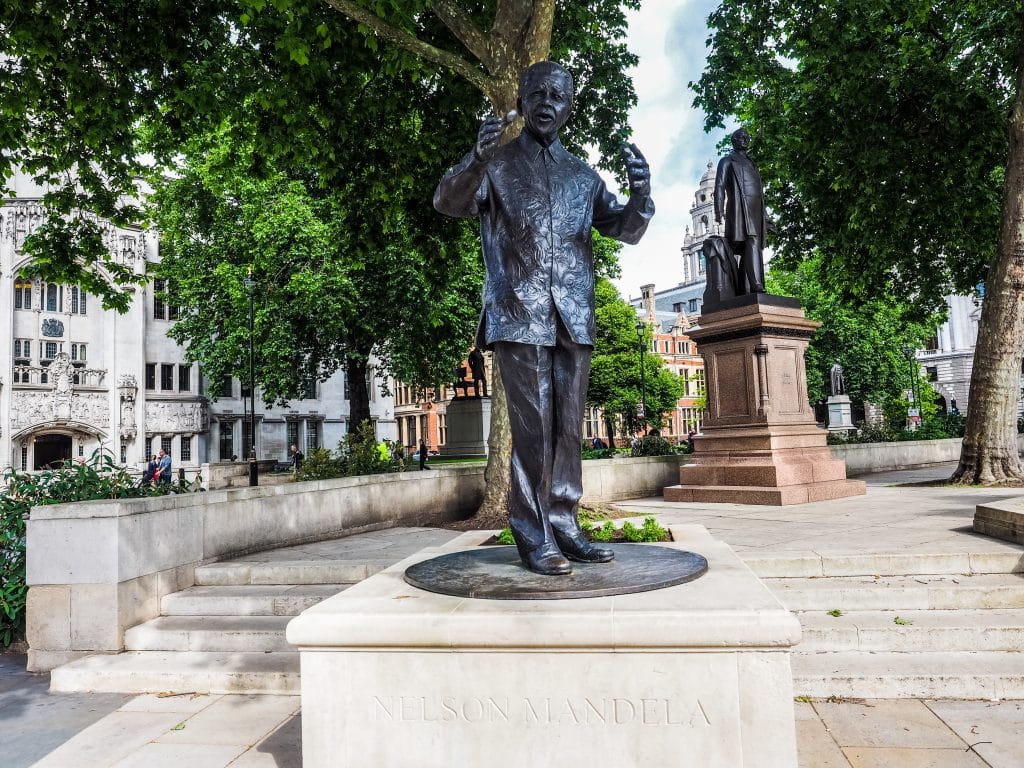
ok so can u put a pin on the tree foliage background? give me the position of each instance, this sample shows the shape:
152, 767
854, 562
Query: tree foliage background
615, 380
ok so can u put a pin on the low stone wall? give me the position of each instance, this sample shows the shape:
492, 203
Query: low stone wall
864, 458
98, 568
1001, 519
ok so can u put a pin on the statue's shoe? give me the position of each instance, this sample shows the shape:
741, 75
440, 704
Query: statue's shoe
582, 551
547, 561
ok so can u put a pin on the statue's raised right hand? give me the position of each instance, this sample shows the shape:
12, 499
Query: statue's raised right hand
490, 134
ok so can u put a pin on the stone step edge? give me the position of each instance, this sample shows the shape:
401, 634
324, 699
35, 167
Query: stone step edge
991, 675
885, 564
180, 672
285, 573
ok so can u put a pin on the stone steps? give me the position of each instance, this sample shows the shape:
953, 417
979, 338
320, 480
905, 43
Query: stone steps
181, 672
799, 565
287, 572
210, 633
1000, 629
248, 599
955, 675
960, 637
936, 592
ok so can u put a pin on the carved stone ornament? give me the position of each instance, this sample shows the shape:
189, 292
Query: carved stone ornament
127, 388
53, 329
22, 220
168, 417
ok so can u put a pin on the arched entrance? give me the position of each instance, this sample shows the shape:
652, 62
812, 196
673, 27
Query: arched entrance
51, 450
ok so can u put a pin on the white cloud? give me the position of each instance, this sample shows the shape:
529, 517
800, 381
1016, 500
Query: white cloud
669, 37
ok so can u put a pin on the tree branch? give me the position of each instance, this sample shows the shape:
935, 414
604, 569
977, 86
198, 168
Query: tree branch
468, 33
538, 30
509, 18
411, 43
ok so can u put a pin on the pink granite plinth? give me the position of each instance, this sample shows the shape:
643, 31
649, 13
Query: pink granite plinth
760, 444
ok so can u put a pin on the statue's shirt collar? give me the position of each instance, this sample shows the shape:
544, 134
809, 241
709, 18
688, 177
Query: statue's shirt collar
534, 150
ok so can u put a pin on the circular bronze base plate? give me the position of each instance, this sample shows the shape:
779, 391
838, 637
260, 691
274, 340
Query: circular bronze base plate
497, 573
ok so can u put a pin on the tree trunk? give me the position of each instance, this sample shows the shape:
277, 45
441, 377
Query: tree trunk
358, 392
609, 425
989, 454
493, 510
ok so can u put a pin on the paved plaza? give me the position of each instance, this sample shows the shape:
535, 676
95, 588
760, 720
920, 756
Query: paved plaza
895, 521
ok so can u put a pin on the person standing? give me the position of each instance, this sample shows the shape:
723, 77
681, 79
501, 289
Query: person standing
297, 457
537, 204
163, 471
423, 455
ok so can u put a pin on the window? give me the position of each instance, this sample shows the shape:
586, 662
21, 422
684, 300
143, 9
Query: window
184, 378
166, 376
312, 435
24, 458
150, 378
78, 352
77, 301
698, 378
159, 308
165, 445
677, 307
442, 429
48, 350
248, 445
227, 440
931, 373
51, 298
23, 294
186, 449
933, 344
22, 349
149, 448
226, 388
293, 434
309, 388
692, 306
124, 453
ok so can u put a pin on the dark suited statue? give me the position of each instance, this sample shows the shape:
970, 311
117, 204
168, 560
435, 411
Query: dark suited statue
739, 199
536, 204
476, 365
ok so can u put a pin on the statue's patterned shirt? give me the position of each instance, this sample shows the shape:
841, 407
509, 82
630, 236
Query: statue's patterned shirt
536, 207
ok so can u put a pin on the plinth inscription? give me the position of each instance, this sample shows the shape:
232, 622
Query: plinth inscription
561, 711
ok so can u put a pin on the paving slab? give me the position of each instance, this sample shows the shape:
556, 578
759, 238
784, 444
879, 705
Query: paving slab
994, 729
905, 723
889, 757
33, 721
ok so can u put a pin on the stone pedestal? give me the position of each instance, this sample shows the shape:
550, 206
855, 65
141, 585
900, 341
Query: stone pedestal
760, 442
840, 415
469, 426
696, 674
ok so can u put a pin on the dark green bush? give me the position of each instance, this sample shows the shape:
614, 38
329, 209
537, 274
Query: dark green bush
97, 478
653, 445
359, 453
320, 464
936, 428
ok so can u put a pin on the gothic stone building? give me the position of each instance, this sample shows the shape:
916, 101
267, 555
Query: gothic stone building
80, 377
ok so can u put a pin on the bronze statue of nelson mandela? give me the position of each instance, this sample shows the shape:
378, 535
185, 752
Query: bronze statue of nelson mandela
537, 204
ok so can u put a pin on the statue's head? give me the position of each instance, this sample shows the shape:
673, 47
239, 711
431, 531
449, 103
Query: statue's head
545, 99
740, 139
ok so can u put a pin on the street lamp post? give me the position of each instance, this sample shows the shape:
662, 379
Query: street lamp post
915, 389
642, 410
254, 472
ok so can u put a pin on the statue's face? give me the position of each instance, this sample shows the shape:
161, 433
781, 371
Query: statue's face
741, 139
545, 102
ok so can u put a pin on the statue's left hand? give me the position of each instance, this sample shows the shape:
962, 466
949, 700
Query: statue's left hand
638, 171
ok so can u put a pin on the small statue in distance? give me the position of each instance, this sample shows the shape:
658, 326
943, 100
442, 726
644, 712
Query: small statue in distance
476, 365
835, 375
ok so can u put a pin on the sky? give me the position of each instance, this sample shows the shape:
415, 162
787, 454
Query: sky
669, 37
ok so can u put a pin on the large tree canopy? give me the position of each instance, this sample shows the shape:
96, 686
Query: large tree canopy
881, 130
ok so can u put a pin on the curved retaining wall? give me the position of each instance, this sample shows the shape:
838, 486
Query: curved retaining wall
98, 568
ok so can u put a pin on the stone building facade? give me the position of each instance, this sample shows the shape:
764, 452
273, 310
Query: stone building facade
80, 377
